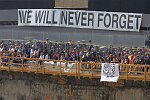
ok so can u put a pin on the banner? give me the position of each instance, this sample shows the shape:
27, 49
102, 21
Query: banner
110, 72
80, 19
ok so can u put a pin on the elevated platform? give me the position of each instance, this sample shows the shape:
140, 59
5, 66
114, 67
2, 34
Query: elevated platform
72, 68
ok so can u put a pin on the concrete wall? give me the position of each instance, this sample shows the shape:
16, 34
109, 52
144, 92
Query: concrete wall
27, 86
100, 37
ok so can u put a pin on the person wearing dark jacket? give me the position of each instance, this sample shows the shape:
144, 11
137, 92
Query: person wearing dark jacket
147, 42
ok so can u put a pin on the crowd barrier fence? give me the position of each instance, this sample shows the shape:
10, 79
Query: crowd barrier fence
71, 68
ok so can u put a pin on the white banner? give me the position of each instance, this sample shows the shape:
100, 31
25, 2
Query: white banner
80, 19
110, 72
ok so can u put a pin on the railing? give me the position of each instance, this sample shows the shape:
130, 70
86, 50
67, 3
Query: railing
71, 68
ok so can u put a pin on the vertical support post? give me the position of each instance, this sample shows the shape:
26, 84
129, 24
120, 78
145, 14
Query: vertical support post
127, 71
8, 63
22, 59
79, 70
36, 65
76, 68
92, 64
145, 72
60, 69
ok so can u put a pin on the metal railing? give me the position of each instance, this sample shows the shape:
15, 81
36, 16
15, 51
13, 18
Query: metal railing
71, 68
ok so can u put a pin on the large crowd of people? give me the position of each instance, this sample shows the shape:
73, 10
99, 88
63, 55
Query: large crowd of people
75, 51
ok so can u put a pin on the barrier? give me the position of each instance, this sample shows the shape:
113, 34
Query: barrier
71, 68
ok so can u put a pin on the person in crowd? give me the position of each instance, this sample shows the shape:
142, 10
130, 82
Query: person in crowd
147, 42
6, 55
79, 51
40, 58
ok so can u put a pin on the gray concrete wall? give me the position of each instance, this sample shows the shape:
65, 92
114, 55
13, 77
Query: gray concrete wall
101, 37
27, 86
8, 15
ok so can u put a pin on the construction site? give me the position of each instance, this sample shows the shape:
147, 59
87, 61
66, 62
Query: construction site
45, 58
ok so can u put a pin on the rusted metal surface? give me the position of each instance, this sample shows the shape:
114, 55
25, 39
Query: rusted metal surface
71, 3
